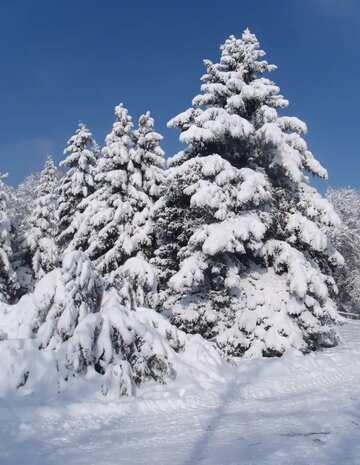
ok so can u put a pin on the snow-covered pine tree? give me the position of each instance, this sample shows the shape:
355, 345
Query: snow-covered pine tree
243, 256
8, 282
41, 235
148, 158
115, 226
77, 183
108, 211
346, 238
20, 212
136, 278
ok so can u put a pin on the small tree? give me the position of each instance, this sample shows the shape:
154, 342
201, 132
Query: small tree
148, 158
41, 235
77, 183
21, 209
8, 282
346, 237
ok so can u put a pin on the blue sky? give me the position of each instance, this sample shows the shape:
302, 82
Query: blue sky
66, 61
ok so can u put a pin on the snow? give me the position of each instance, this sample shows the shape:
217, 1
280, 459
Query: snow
303, 277
317, 207
230, 235
213, 124
314, 165
158, 338
292, 123
307, 231
191, 273
296, 410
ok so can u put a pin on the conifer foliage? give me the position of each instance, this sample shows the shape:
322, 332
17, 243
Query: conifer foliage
8, 280
148, 158
21, 211
241, 243
111, 209
346, 237
41, 235
77, 183
116, 223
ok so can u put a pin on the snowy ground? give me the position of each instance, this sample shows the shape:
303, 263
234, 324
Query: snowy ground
298, 410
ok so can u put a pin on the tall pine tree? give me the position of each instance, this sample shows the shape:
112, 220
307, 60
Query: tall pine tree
116, 227
242, 254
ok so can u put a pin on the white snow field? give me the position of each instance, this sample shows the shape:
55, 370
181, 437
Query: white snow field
295, 410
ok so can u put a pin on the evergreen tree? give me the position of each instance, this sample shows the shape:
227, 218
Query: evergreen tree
77, 183
8, 282
116, 221
148, 158
41, 235
20, 211
137, 278
346, 237
242, 254
106, 220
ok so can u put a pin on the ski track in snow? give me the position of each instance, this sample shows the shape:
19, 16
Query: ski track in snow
297, 410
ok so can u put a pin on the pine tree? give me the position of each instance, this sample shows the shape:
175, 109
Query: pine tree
8, 282
346, 237
242, 254
41, 235
136, 277
148, 158
116, 221
77, 183
107, 213
20, 211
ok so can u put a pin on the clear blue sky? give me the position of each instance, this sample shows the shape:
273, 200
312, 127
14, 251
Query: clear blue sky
66, 61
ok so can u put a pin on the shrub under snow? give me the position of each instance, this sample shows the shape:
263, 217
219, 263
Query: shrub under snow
88, 328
